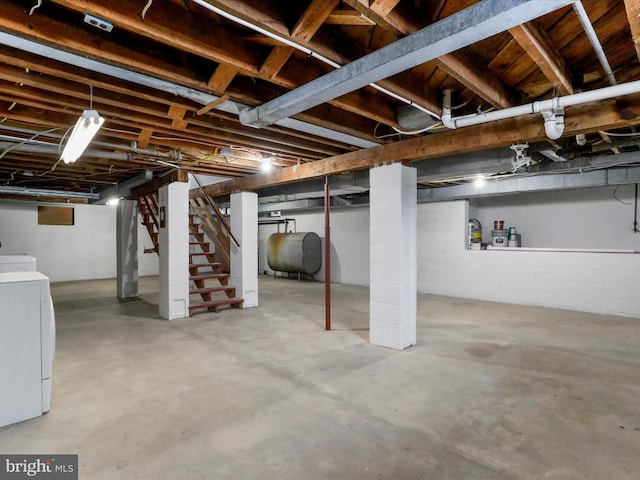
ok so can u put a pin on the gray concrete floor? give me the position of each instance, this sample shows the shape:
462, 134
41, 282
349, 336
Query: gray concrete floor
491, 391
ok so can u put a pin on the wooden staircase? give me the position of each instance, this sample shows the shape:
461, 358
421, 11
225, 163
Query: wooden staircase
148, 208
211, 286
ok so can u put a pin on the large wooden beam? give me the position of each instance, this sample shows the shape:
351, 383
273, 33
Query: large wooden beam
189, 33
580, 119
154, 185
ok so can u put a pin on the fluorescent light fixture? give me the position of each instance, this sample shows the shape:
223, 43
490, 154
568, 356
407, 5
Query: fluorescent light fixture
85, 129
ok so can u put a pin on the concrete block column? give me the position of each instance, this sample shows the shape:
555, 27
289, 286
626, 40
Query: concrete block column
173, 200
244, 259
393, 256
127, 249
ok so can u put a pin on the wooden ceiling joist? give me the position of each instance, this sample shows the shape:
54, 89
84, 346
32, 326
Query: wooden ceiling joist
535, 42
348, 17
632, 8
312, 19
222, 77
384, 7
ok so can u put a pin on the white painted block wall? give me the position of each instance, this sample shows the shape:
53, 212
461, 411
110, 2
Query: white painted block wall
84, 251
578, 218
606, 283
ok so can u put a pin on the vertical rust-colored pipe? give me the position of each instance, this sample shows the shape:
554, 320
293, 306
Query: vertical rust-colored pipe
327, 257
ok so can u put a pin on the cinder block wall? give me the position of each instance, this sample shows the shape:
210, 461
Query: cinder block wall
84, 251
590, 282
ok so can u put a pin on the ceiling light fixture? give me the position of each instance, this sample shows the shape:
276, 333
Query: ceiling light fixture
83, 132
479, 181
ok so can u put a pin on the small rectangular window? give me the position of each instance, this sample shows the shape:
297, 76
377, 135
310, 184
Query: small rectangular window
55, 216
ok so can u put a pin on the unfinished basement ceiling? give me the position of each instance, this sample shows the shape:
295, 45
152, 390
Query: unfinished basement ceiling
172, 79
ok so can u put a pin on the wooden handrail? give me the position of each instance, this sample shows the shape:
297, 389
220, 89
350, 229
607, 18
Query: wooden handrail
217, 211
222, 247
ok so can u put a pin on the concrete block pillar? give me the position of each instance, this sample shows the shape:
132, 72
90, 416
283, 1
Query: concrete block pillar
173, 200
244, 259
393, 256
127, 249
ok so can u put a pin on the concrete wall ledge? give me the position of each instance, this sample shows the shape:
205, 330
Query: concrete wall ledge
569, 250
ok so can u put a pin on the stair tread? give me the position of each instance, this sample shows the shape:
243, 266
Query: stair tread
199, 291
202, 253
210, 275
216, 303
212, 264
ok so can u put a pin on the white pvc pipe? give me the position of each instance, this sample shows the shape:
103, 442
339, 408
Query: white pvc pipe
555, 104
595, 42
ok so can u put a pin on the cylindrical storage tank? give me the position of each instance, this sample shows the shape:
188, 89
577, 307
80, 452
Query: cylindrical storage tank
294, 252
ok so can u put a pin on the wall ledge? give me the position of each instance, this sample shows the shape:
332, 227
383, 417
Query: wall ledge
563, 250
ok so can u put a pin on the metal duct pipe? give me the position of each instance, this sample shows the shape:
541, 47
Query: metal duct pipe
305, 50
552, 109
53, 150
26, 131
595, 42
35, 146
40, 192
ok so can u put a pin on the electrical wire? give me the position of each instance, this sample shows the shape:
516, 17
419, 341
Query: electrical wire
611, 134
618, 199
146, 8
375, 130
119, 131
55, 165
185, 140
463, 104
33, 9
416, 132
8, 149
62, 140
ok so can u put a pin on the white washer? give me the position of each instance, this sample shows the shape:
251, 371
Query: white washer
27, 346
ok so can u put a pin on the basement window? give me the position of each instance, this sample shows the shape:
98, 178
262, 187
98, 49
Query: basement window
55, 216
